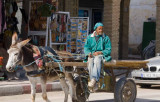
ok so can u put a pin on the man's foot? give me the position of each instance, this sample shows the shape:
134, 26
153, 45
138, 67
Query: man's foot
95, 88
92, 83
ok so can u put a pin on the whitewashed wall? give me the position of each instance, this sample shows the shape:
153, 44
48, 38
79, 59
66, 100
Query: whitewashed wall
140, 11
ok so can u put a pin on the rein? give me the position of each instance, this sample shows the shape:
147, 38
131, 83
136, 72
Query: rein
27, 64
51, 56
55, 60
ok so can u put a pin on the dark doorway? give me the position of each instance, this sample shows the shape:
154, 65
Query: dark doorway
92, 9
97, 16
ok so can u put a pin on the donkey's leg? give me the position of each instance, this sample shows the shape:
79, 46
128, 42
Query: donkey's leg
73, 86
33, 90
65, 88
44, 93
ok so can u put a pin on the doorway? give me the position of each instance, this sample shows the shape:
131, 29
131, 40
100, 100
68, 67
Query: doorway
92, 9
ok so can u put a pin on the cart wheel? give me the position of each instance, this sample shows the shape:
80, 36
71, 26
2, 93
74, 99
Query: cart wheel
125, 90
82, 90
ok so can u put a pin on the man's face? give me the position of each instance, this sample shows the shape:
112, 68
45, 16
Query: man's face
99, 30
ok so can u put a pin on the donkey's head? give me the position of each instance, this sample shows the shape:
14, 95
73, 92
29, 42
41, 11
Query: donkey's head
15, 55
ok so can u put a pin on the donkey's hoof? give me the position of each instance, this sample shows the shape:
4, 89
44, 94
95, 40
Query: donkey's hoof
74, 100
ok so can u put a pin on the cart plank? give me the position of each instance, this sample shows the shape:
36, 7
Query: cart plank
127, 64
119, 64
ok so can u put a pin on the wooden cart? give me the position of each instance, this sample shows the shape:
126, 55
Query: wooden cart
124, 89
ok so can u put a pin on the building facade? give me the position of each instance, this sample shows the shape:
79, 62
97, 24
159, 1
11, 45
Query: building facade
115, 17
115, 14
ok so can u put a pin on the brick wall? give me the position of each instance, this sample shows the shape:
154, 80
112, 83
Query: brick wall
111, 24
61, 5
158, 28
72, 7
124, 29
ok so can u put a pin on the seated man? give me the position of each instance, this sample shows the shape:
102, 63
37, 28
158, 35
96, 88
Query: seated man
97, 47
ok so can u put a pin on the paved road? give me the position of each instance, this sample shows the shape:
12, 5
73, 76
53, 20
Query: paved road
143, 95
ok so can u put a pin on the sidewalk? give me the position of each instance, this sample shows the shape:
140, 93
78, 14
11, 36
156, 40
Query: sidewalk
15, 87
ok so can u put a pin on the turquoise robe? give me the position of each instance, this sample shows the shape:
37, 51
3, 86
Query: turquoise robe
103, 44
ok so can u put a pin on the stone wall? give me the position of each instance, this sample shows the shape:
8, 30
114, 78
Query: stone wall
124, 29
72, 7
111, 24
158, 28
61, 5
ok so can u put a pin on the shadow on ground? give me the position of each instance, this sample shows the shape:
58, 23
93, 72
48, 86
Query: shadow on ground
156, 87
110, 100
146, 100
137, 100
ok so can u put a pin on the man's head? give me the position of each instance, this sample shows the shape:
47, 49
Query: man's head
98, 28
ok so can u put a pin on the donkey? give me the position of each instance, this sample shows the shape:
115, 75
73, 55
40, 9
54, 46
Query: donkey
21, 54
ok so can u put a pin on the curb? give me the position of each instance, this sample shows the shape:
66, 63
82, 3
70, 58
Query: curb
26, 89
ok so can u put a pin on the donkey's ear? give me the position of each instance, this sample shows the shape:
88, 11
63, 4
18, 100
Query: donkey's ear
23, 43
14, 38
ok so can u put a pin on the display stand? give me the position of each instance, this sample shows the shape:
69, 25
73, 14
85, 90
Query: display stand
41, 33
79, 29
58, 29
39, 21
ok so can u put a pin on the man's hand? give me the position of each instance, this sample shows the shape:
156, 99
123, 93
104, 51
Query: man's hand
97, 53
90, 55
